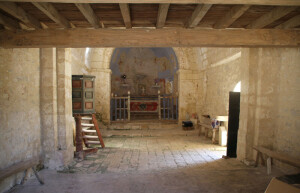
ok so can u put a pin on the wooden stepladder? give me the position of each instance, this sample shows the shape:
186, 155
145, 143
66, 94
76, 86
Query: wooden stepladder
87, 130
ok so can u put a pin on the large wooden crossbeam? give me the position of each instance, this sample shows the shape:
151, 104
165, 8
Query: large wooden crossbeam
231, 2
150, 38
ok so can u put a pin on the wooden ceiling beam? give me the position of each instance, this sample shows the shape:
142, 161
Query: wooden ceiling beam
291, 23
224, 2
49, 10
89, 14
162, 14
125, 10
234, 13
19, 13
198, 14
270, 17
9, 23
78, 37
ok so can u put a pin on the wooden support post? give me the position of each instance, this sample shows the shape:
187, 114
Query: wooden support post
159, 106
262, 159
172, 107
111, 106
168, 108
269, 165
116, 111
128, 107
24, 177
164, 108
37, 176
120, 108
257, 158
200, 130
177, 107
124, 106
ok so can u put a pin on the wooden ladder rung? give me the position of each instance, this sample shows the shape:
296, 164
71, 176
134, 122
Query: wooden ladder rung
87, 124
88, 131
92, 142
90, 137
86, 118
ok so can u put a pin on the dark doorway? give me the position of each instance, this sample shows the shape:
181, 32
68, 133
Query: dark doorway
233, 123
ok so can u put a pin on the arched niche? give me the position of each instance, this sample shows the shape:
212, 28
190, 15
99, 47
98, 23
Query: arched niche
144, 71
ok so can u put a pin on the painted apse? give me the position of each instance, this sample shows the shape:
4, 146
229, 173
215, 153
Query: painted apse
144, 71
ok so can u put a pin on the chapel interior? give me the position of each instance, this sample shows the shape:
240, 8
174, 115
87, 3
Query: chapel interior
149, 96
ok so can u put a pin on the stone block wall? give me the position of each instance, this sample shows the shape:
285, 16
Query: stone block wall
220, 71
35, 108
20, 130
270, 102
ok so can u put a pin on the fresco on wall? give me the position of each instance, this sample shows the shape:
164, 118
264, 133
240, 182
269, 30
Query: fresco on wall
144, 71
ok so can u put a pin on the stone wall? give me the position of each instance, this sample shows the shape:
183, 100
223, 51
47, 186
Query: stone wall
272, 97
35, 114
220, 72
269, 95
20, 130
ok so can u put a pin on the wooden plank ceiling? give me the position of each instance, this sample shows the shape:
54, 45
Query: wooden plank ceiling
46, 15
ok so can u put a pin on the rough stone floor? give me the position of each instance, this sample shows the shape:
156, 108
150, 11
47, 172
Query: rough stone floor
154, 164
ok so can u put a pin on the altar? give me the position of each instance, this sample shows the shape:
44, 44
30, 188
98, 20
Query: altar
160, 107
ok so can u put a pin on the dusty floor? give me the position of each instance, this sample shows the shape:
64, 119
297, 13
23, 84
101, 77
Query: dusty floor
154, 164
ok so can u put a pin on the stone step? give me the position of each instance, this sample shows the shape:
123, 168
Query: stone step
143, 126
149, 133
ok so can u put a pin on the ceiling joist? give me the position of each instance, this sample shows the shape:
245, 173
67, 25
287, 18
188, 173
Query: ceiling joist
234, 13
162, 14
49, 10
150, 38
19, 13
89, 14
9, 23
291, 23
198, 15
125, 10
270, 17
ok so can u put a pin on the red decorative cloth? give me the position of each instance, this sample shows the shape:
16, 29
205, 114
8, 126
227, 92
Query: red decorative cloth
143, 106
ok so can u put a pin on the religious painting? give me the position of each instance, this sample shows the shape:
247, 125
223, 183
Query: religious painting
142, 89
169, 87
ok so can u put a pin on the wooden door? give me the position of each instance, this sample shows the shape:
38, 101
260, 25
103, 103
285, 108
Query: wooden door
233, 123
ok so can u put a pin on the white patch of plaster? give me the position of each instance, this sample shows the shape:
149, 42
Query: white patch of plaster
227, 59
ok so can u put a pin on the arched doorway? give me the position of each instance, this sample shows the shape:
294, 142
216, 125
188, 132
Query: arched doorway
144, 84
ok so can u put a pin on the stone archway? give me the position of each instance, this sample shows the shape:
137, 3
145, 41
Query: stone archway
99, 61
146, 72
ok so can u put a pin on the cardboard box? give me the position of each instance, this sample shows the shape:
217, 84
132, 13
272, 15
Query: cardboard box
277, 186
